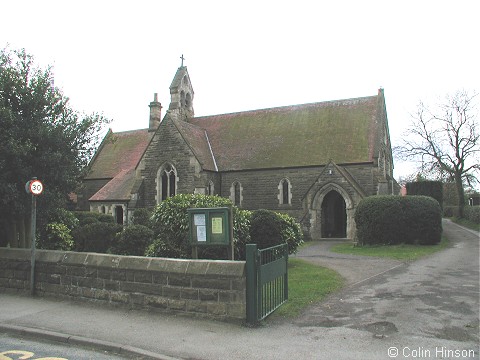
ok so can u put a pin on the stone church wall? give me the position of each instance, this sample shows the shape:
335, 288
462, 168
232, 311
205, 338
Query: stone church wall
168, 146
215, 289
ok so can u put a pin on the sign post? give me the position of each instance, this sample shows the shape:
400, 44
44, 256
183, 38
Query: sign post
34, 187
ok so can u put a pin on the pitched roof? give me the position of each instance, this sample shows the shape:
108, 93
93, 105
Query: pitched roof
119, 188
119, 151
198, 141
116, 159
299, 135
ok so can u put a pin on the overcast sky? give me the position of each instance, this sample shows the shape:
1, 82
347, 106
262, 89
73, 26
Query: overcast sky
112, 56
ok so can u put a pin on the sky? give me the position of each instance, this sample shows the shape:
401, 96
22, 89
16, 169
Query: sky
112, 56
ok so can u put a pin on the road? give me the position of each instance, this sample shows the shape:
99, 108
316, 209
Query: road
12, 347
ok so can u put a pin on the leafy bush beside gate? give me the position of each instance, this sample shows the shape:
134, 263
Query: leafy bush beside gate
170, 226
393, 220
269, 228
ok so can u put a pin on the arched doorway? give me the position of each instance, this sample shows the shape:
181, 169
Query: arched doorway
334, 216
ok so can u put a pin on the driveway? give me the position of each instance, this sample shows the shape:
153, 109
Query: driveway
434, 297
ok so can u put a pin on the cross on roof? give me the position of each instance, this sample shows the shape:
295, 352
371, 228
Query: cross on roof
181, 57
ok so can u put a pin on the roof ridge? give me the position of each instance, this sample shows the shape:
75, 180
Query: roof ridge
287, 107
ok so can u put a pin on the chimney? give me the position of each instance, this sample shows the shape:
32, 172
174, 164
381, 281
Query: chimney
155, 113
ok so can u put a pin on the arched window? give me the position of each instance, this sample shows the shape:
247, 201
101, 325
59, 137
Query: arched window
182, 99
236, 193
166, 182
188, 101
285, 192
210, 188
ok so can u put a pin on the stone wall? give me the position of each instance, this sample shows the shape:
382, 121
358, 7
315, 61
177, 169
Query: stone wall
212, 288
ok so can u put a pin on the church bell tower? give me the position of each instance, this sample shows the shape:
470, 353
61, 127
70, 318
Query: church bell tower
181, 94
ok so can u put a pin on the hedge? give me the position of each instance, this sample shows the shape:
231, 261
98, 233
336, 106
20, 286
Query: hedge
472, 213
426, 188
393, 220
95, 237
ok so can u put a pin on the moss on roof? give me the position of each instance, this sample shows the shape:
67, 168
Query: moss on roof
299, 135
119, 151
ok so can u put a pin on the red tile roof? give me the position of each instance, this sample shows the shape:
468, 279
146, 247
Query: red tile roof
116, 159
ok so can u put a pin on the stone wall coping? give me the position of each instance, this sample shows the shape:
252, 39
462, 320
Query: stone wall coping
225, 268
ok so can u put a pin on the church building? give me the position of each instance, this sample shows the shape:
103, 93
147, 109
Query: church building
313, 161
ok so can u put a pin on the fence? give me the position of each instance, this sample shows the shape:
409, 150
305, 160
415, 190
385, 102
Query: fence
267, 280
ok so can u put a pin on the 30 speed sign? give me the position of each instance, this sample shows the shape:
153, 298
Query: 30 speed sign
35, 187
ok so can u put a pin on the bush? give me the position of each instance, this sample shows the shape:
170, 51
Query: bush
142, 217
269, 228
65, 217
170, 225
57, 233
95, 237
292, 232
265, 229
451, 211
133, 240
433, 189
89, 217
398, 219
472, 213
57, 236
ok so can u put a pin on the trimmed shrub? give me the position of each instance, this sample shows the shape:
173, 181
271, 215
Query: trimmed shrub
472, 213
133, 240
143, 217
95, 237
89, 217
270, 228
292, 232
265, 229
393, 220
433, 189
451, 211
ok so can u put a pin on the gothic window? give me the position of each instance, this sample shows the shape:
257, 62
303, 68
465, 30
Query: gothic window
182, 99
285, 192
210, 188
166, 182
236, 193
188, 100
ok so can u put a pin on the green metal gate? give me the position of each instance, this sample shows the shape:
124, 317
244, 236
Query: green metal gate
267, 280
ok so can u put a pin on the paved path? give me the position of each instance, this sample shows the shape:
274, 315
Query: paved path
425, 309
353, 268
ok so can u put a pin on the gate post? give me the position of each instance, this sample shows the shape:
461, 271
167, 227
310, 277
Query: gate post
252, 288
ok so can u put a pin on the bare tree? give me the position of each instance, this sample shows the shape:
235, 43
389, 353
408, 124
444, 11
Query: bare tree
445, 141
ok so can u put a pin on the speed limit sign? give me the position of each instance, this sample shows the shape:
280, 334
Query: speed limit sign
35, 187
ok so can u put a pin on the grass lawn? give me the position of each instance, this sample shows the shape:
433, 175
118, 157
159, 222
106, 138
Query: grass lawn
398, 252
307, 284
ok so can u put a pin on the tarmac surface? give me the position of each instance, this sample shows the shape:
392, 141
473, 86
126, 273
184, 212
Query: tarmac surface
425, 309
